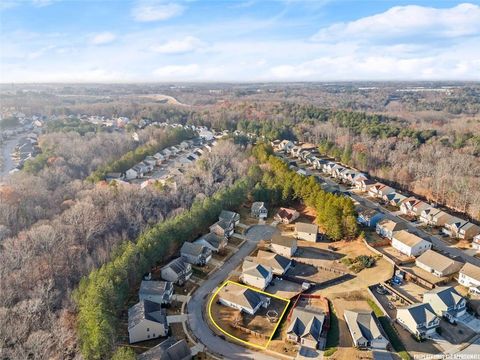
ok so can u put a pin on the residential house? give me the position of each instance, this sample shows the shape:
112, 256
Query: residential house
446, 302
195, 254
387, 227
160, 292
438, 264
223, 228
328, 167
242, 298
305, 328
452, 226
177, 271
212, 241
169, 349
369, 217
476, 242
286, 216
255, 274
364, 185
435, 217
150, 160
365, 329
278, 263
259, 210
413, 207
283, 245
395, 199
231, 216
468, 231
319, 163
374, 190
305, 231
133, 173
146, 321
384, 191
409, 244
419, 319
286, 145
469, 277
337, 171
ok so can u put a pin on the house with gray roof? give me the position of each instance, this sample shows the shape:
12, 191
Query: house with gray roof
177, 271
223, 228
305, 231
255, 274
306, 326
195, 254
365, 329
212, 241
242, 298
160, 292
369, 217
259, 210
446, 302
169, 349
146, 320
419, 319
283, 245
230, 216
278, 263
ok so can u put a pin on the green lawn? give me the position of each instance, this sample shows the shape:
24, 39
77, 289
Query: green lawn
333, 333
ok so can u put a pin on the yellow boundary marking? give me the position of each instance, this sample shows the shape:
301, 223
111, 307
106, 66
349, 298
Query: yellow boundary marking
259, 291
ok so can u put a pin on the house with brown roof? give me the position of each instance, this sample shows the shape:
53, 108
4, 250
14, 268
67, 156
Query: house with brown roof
286, 215
387, 227
409, 244
374, 190
438, 264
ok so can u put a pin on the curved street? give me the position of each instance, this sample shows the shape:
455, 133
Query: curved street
196, 306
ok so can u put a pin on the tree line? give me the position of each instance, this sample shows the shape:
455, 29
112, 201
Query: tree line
102, 295
335, 214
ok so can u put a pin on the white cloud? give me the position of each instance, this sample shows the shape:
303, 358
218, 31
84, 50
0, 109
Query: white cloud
181, 46
169, 72
147, 11
103, 38
407, 21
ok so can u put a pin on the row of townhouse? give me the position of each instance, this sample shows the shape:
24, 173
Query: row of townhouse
451, 225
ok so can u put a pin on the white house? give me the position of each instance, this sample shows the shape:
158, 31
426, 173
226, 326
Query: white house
438, 264
278, 263
146, 320
259, 210
469, 277
446, 302
419, 319
410, 244
157, 291
255, 274
365, 329
242, 298
305, 231
283, 245
387, 227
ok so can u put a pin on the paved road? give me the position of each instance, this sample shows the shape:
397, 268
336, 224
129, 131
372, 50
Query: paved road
196, 305
7, 149
437, 242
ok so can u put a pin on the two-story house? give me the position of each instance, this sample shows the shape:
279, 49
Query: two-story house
305, 328
255, 274
160, 292
177, 271
419, 319
446, 302
387, 227
195, 253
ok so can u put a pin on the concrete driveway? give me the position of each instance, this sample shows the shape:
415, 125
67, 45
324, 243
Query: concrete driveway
260, 232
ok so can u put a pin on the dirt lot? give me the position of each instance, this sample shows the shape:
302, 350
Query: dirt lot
184, 289
235, 241
395, 255
411, 291
311, 273
223, 254
175, 308
225, 316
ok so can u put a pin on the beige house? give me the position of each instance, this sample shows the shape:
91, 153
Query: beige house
468, 231
146, 320
255, 274
438, 264
283, 245
278, 263
387, 227
243, 299
365, 329
409, 244
434, 217
306, 326
419, 319
305, 231
286, 215
413, 206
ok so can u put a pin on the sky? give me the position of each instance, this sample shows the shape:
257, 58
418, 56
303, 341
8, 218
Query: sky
238, 41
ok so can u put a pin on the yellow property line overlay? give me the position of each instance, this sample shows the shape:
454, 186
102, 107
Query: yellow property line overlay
259, 291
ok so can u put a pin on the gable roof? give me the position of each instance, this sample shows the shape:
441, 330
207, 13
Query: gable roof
471, 271
213, 239
256, 206
407, 238
447, 294
222, 224
283, 240
193, 249
307, 322
285, 213
439, 262
245, 297
420, 313
169, 349
228, 215
178, 266
362, 324
272, 260
306, 228
253, 268
390, 225
155, 287
146, 310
